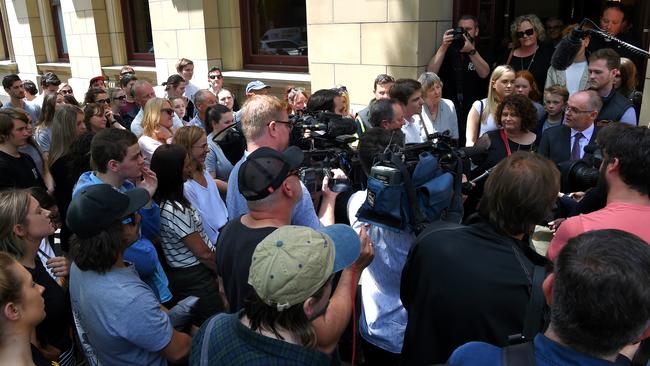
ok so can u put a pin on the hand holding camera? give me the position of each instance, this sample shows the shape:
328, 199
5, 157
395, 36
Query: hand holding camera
461, 40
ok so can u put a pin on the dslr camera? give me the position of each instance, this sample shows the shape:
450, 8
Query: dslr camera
459, 41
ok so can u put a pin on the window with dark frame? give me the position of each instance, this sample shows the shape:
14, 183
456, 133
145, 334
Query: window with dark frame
59, 31
274, 34
137, 33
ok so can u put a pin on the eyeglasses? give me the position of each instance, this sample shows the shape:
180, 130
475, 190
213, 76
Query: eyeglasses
66, 91
103, 101
212, 77
121, 97
574, 110
528, 32
288, 123
169, 111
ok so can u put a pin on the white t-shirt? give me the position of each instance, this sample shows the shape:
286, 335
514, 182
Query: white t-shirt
177, 222
573, 75
148, 146
490, 124
208, 202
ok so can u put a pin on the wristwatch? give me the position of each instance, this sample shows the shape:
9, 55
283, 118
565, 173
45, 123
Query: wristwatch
472, 52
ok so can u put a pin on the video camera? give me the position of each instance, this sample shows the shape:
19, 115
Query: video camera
580, 175
324, 138
413, 185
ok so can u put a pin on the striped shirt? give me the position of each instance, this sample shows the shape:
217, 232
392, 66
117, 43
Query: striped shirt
177, 222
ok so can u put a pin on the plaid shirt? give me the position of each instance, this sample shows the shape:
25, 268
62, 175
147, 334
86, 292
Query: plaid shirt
232, 343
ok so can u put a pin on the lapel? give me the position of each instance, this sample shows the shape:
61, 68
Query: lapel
565, 143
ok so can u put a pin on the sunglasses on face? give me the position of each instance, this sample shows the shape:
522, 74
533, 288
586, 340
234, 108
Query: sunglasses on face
127, 73
212, 77
103, 101
121, 97
528, 32
169, 111
66, 91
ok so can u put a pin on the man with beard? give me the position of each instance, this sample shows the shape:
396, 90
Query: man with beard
626, 172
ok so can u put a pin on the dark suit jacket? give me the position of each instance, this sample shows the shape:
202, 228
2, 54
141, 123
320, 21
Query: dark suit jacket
556, 143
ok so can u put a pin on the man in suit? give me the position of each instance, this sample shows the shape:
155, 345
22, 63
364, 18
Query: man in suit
567, 141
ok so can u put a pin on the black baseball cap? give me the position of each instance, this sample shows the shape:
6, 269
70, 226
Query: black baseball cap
265, 169
95, 208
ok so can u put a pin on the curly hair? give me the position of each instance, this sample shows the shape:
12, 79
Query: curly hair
521, 106
534, 21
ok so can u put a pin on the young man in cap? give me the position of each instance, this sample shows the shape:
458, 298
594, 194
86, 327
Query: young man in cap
291, 274
118, 317
253, 88
97, 82
268, 181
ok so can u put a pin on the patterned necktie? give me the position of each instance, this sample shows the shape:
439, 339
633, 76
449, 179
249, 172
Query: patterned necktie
575, 150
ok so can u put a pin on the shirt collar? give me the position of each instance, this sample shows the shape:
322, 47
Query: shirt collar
586, 133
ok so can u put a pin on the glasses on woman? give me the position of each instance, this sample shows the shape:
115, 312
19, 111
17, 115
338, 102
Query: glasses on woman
103, 101
66, 92
169, 111
528, 32
121, 97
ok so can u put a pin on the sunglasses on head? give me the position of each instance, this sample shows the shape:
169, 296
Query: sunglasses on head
212, 77
528, 32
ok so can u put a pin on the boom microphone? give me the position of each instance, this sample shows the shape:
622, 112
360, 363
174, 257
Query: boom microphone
568, 48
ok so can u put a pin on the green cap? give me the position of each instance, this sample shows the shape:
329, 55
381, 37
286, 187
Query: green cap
294, 262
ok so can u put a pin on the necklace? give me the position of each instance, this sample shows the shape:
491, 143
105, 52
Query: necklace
521, 59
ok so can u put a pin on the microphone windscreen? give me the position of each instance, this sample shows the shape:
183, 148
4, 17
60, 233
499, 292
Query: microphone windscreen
565, 52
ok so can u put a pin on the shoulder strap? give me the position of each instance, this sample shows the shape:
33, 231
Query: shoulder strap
205, 343
512, 52
522, 354
535, 308
417, 219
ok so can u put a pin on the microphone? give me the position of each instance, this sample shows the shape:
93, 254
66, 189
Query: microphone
568, 48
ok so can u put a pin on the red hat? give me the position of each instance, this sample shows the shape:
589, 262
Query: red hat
100, 77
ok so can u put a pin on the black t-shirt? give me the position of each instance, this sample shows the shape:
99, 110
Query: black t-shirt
457, 70
19, 172
537, 64
55, 328
462, 285
235, 248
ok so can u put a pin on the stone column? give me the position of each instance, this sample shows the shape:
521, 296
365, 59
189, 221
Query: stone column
352, 41
26, 37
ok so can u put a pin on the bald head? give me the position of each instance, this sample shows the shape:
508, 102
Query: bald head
142, 92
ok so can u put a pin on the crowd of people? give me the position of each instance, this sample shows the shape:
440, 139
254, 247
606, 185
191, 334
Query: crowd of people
144, 229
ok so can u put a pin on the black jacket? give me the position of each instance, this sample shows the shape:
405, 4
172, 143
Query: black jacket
464, 284
556, 143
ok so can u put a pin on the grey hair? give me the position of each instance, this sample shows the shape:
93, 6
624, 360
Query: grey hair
428, 80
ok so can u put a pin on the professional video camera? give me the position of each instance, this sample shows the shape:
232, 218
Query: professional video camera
232, 142
413, 185
324, 138
580, 175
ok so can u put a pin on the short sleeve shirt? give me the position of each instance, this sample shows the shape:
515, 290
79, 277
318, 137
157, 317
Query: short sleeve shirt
177, 222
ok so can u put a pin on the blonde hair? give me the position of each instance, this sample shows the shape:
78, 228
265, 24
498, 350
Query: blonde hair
14, 207
492, 98
152, 112
64, 131
534, 21
187, 136
257, 112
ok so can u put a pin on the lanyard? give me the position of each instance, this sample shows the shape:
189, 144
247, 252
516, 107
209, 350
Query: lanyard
505, 142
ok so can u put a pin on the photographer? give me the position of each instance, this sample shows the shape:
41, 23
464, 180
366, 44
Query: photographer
463, 67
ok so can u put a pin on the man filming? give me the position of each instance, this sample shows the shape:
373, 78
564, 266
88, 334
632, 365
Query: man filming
462, 67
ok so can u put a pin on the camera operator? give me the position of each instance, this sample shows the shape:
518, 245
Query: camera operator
265, 124
463, 67
625, 171
383, 318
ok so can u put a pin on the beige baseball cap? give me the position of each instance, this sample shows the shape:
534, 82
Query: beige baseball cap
294, 262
